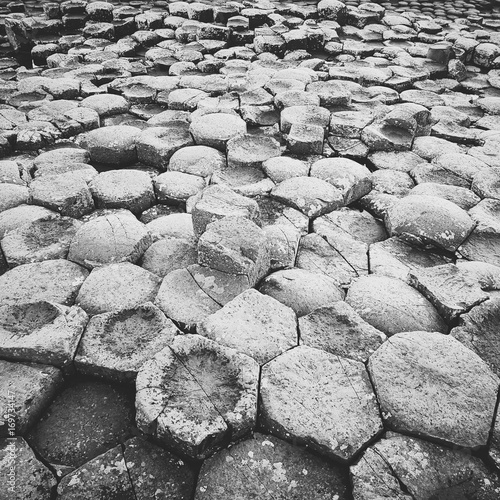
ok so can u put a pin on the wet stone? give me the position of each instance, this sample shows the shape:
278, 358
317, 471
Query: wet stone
463, 388
196, 394
117, 286
333, 410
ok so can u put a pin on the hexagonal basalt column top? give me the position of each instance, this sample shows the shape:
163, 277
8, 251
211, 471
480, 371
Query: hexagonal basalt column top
196, 395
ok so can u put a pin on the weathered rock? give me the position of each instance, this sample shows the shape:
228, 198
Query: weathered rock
197, 160
26, 391
41, 332
451, 290
43, 239
128, 189
253, 324
482, 245
116, 344
267, 467
174, 225
392, 182
117, 286
303, 291
463, 387
106, 104
251, 151
12, 195
177, 187
462, 197
22, 474
429, 220
486, 214
486, 183
280, 168
84, 420
403, 161
304, 115
51, 280
235, 245
432, 147
333, 409
114, 237
305, 139
196, 394
392, 306
20, 215
338, 329
216, 129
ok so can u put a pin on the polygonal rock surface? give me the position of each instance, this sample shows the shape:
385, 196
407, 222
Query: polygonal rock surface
392, 306
197, 160
452, 291
338, 329
235, 245
310, 195
217, 202
253, 324
30, 480
301, 290
110, 238
268, 468
12, 195
22, 214
432, 386
429, 220
116, 344
41, 332
478, 330
424, 469
117, 286
51, 280
43, 239
216, 129
84, 420
195, 394
321, 400
25, 392
126, 188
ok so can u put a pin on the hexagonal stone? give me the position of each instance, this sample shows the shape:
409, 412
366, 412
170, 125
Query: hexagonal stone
174, 225
197, 160
22, 214
478, 330
235, 245
340, 330
451, 290
303, 139
41, 332
84, 420
216, 129
43, 239
423, 469
321, 400
487, 215
251, 150
113, 237
196, 394
392, 306
12, 195
26, 391
303, 115
182, 299
125, 188
107, 104
217, 202
432, 386
266, 467
301, 290
67, 194
395, 258
312, 196
51, 280
30, 480
253, 324
462, 197
482, 245
117, 286
156, 145
429, 220
114, 145
177, 187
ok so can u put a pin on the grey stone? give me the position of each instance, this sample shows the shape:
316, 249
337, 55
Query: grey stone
197, 160
462, 197
12, 195
216, 129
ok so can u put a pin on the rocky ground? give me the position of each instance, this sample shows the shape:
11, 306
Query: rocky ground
250, 250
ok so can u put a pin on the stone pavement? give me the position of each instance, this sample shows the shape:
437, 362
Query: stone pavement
249, 250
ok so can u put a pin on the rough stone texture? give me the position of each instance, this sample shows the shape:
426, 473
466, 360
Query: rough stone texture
432, 386
197, 160
196, 394
84, 420
253, 324
392, 306
33, 480
269, 468
301, 290
117, 286
429, 220
316, 398
26, 390
216, 129
51, 280
340, 330
22, 214
116, 344
114, 237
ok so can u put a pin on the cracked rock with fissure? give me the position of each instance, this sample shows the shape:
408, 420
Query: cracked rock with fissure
196, 395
